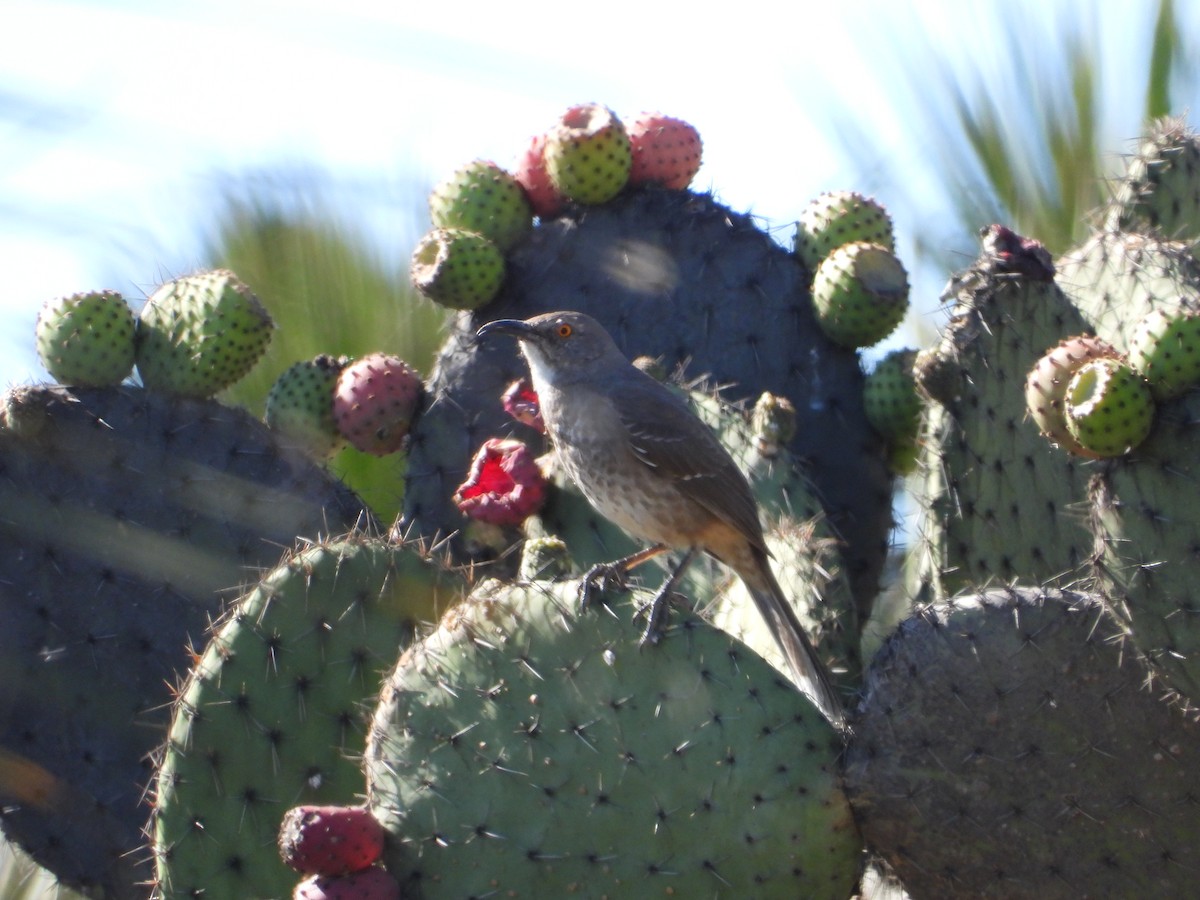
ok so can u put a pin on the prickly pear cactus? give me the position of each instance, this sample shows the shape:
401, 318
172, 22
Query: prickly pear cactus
996, 494
1008, 746
670, 274
274, 713
127, 519
1160, 193
524, 749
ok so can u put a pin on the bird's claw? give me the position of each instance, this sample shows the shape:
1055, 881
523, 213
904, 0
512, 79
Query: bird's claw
601, 578
656, 613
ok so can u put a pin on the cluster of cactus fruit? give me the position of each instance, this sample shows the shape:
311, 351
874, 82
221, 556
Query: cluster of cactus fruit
428, 711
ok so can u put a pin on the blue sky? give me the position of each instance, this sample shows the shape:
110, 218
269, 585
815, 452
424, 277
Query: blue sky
120, 121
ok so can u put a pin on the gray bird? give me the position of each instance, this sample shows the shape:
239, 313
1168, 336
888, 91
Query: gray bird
646, 462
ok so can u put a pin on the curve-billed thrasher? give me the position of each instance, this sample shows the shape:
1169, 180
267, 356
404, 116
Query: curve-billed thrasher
648, 464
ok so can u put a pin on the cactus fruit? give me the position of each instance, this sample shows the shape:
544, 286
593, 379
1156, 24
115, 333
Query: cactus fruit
860, 291
587, 154
505, 485
544, 558
773, 421
840, 217
531, 174
525, 748
457, 268
199, 334
86, 339
128, 517
665, 150
1109, 407
521, 402
374, 402
1007, 253
1046, 387
894, 406
272, 715
483, 198
369, 884
300, 405
1007, 746
1165, 349
330, 840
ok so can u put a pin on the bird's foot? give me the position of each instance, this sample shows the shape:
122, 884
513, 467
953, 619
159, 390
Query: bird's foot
656, 613
602, 578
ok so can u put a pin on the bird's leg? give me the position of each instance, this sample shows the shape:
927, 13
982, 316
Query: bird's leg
656, 609
611, 575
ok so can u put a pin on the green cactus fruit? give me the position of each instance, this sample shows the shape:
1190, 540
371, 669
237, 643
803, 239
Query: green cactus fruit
483, 198
273, 714
199, 334
1109, 407
1007, 746
773, 421
1147, 526
840, 217
127, 518
544, 558
994, 491
457, 268
1160, 192
300, 405
588, 155
893, 406
86, 339
860, 291
1046, 387
527, 749
1165, 349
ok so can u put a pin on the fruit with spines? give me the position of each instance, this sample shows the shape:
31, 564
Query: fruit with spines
457, 268
665, 150
893, 406
300, 405
86, 339
587, 154
860, 291
531, 174
1047, 382
1109, 407
275, 708
199, 334
521, 718
329, 840
1165, 349
840, 217
484, 198
374, 402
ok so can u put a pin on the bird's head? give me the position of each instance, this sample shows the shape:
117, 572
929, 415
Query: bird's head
558, 345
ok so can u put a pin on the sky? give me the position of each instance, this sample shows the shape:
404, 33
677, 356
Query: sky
121, 121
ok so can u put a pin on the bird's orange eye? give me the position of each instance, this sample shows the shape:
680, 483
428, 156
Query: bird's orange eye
564, 330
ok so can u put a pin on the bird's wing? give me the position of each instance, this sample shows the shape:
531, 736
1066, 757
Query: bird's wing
667, 436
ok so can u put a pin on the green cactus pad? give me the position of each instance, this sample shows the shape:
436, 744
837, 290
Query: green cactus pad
840, 217
273, 715
1165, 349
1160, 192
1109, 407
86, 339
1008, 746
457, 268
860, 292
482, 197
524, 750
199, 334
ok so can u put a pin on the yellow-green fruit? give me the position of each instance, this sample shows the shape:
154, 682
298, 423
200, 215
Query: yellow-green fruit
893, 406
860, 292
456, 268
1109, 407
840, 217
86, 339
588, 155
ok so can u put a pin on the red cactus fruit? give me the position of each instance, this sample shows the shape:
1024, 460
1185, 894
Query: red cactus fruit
504, 486
1009, 252
666, 151
374, 883
531, 174
521, 402
330, 840
374, 402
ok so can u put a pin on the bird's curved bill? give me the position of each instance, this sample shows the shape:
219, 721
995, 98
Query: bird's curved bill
514, 327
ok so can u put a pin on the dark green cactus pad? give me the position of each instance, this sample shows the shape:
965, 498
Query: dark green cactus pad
670, 274
125, 519
525, 750
998, 497
1160, 192
275, 712
1008, 746
1147, 525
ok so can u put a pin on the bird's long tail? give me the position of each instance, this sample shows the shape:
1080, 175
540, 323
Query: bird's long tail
807, 668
